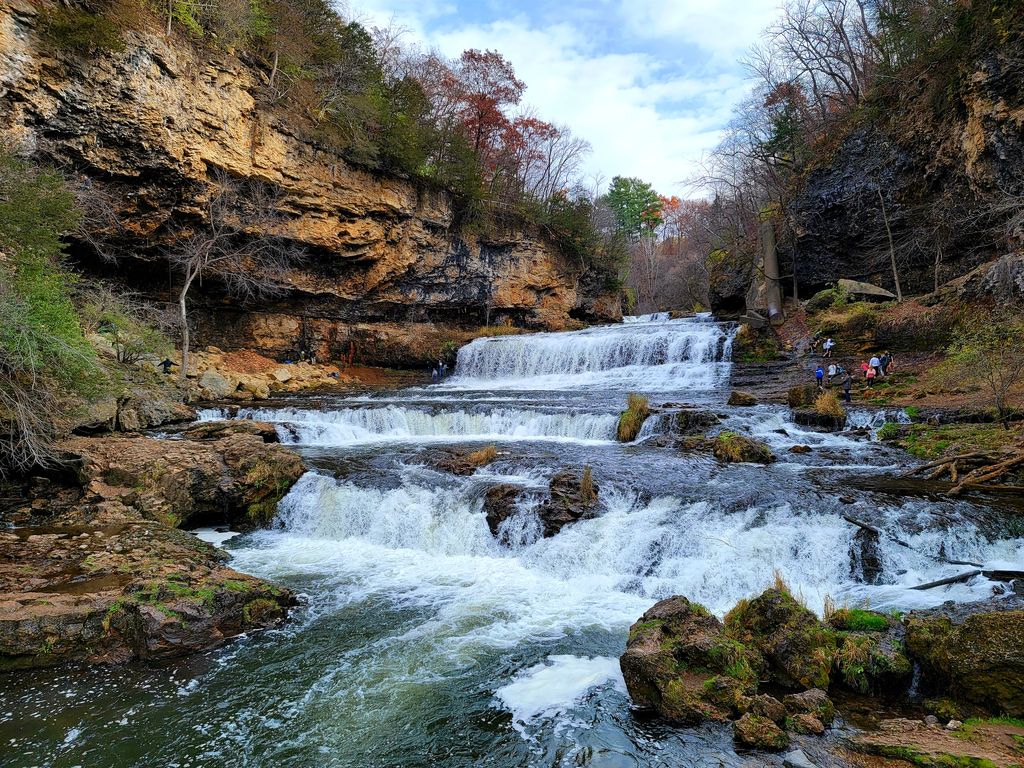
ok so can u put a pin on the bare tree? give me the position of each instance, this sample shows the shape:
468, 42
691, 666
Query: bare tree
239, 241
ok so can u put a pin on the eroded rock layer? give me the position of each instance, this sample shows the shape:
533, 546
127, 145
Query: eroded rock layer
150, 125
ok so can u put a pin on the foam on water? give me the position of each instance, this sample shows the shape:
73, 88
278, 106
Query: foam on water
554, 686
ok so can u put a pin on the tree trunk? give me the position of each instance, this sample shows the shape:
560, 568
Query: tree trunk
773, 292
892, 248
183, 311
170, 15
273, 71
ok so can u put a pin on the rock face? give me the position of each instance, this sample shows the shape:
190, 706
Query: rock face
946, 159
236, 479
978, 659
150, 123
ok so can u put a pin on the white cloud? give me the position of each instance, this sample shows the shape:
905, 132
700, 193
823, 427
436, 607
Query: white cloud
646, 112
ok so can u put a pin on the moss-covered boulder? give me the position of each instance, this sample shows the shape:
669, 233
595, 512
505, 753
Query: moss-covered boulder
814, 702
756, 732
978, 660
871, 655
797, 648
873, 662
734, 447
679, 663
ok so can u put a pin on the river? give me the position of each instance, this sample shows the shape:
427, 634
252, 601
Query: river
422, 641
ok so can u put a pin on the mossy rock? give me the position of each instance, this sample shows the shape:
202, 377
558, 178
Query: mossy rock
679, 663
796, 647
690, 421
756, 732
813, 702
802, 395
979, 661
873, 662
733, 447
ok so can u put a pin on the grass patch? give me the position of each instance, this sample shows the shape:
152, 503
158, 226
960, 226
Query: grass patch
927, 441
857, 620
633, 418
889, 431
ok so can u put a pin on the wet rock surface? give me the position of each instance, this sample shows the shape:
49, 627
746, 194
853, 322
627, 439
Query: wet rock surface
116, 591
236, 479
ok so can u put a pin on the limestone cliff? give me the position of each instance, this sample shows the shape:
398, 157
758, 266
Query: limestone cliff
149, 124
946, 156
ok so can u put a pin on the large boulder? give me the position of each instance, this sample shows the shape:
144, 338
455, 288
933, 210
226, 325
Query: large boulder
680, 663
737, 397
976, 659
691, 421
573, 496
215, 386
114, 592
797, 648
802, 394
734, 447
827, 422
861, 291
215, 430
871, 656
237, 479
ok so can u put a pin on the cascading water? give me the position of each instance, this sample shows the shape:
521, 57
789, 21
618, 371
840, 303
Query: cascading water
665, 356
425, 641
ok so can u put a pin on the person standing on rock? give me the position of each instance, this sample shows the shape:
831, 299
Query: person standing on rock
832, 370
886, 361
870, 374
433, 376
819, 375
875, 364
827, 346
847, 385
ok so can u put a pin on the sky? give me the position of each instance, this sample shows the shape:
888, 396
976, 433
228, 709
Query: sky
650, 84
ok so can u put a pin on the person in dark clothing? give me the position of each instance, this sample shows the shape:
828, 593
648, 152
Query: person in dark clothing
166, 365
847, 385
433, 375
884, 363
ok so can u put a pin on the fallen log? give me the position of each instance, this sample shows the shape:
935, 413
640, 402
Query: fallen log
948, 580
994, 574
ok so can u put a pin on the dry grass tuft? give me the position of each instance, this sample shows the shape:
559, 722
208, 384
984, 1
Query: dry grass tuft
827, 404
587, 490
633, 418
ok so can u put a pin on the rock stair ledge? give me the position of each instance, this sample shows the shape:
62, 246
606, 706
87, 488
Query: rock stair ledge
103, 572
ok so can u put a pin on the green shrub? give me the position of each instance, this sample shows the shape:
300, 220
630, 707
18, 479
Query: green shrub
43, 353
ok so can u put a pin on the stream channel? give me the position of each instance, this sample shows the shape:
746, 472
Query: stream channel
422, 641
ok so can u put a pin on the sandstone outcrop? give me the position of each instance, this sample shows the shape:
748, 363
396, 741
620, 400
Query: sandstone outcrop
149, 124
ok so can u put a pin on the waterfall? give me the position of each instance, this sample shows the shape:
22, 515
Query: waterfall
396, 422
653, 317
646, 356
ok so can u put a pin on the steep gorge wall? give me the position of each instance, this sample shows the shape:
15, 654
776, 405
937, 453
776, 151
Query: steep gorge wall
945, 155
384, 267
